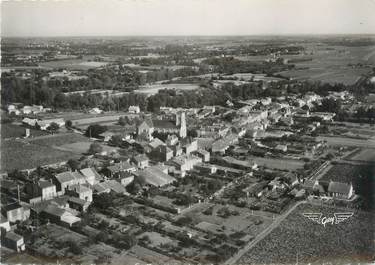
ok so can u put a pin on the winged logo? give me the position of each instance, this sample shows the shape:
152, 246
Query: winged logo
315, 217
324, 220
341, 217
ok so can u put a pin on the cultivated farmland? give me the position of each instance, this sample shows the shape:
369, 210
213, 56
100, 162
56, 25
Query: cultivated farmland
351, 240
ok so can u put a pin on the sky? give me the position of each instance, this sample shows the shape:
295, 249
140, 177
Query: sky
185, 17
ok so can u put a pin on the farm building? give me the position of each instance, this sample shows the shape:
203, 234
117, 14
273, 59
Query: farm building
340, 190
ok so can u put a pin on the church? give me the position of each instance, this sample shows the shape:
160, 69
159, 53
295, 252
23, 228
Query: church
175, 125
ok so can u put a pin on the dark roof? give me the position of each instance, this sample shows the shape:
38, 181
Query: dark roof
77, 201
164, 124
12, 206
13, 236
140, 158
45, 184
148, 122
8, 184
338, 187
122, 166
54, 210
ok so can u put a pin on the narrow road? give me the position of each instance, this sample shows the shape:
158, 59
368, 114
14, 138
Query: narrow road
261, 235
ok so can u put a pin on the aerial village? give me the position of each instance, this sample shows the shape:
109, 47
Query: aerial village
170, 184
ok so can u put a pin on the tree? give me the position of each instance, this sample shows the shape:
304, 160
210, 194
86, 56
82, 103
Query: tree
134, 187
192, 133
53, 127
73, 164
95, 148
74, 247
183, 221
68, 124
116, 140
95, 130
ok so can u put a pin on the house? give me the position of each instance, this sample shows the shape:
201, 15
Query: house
240, 164
316, 186
256, 189
15, 212
100, 188
206, 168
115, 186
141, 160
203, 154
281, 147
162, 153
91, 175
172, 139
80, 191
125, 178
95, 111
13, 241
44, 124
153, 176
78, 204
176, 149
59, 216
220, 146
340, 190
46, 190
4, 223
115, 169
30, 122
145, 128
35, 109
325, 116
291, 178
184, 163
277, 184
9, 186
65, 179
106, 136
190, 146
156, 142
173, 126
134, 109
13, 109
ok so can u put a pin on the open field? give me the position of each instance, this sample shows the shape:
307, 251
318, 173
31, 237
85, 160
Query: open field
151, 256
349, 241
348, 173
280, 164
254, 77
9, 130
245, 222
24, 155
59, 139
331, 64
344, 141
347, 76
73, 64
367, 155
153, 89
44, 150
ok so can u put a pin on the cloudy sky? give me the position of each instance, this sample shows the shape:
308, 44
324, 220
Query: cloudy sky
185, 17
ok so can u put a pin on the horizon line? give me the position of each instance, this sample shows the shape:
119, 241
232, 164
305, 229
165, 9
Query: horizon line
196, 35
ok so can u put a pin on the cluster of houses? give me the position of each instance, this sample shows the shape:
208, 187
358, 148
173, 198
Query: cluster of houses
43, 124
19, 109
